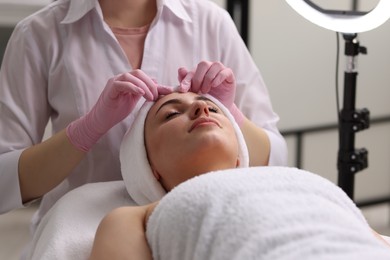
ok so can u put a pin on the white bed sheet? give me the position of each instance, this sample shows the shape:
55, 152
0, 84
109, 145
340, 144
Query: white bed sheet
67, 231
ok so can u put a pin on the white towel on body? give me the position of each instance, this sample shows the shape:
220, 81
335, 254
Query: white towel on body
140, 182
260, 213
68, 230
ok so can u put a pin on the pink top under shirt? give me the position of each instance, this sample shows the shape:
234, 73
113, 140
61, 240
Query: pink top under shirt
132, 42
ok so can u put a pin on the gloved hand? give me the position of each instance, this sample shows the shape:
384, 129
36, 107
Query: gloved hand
215, 79
116, 102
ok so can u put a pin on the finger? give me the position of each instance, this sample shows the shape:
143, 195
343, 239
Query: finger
123, 88
198, 78
141, 81
185, 84
181, 73
213, 71
164, 90
149, 82
225, 75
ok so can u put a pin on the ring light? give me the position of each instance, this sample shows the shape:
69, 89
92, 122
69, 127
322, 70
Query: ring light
343, 21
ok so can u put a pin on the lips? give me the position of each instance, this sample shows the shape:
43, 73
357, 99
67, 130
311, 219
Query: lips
203, 121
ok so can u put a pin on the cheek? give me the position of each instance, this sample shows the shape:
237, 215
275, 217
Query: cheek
231, 136
163, 144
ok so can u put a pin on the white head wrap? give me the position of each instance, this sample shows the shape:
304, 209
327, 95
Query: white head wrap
137, 174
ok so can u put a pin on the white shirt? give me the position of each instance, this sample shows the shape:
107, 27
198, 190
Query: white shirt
59, 59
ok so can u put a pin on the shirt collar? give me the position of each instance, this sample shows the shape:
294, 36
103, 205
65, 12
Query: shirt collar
78, 9
176, 8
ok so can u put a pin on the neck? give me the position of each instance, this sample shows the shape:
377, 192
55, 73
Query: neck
187, 169
128, 13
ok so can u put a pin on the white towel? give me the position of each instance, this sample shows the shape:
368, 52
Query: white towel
260, 213
136, 172
67, 231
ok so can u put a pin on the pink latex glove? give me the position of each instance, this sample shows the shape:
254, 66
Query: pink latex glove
116, 102
215, 79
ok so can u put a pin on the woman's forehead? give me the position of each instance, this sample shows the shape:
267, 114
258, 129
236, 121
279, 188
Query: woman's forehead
187, 95
177, 98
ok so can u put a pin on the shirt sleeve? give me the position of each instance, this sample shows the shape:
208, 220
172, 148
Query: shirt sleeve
252, 95
9, 182
24, 109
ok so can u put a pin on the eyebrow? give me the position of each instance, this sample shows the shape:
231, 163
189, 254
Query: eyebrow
179, 101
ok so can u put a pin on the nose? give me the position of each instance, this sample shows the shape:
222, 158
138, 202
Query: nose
199, 108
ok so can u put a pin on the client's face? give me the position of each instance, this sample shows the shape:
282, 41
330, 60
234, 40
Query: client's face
187, 135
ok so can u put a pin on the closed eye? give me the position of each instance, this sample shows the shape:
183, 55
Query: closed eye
171, 114
213, 109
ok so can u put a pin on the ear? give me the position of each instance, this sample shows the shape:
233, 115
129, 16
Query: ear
156, 174
238, 162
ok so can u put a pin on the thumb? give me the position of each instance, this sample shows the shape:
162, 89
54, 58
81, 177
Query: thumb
185, 83
181, 73
164, 90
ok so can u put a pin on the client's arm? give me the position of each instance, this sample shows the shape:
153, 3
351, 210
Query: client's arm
257, 142
121, 234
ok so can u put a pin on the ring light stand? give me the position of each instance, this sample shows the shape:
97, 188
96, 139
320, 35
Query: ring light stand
351, 160
351, 120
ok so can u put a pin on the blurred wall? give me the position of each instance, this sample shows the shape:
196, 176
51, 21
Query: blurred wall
5, 33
